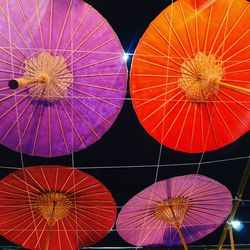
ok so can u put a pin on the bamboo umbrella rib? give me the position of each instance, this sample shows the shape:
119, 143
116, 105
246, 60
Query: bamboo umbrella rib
164, 191
76, 29
165, 55
13, 199
198, 207
193, 127
188, 233
45, 179
211, 125
158, 96
39, 236
194, 212
194, 228
75, 193
17, 188
94, 111
236, 71
92, 194
13, 45
26, 183
56, 178
174, 121
236, 63
14, 194
24, 214
176, 34
73, 125
236, 54
94, 63
232, 46
10, 72
85, 40
90, 52
129, 230
184, 183
61, 128
11, 64
159, 65
100, 87
153, 224
146, 199
49, 130
232, 98
39, 24
14, 212
27, 124
157, 231
208, 27
88, 225
50, 24
95, 97
15, 28
232, 29
202, 128
77, 235
191, 188
224, 122
196, 222
12, 107
82, 118
63, 27
67, 236
37, 129
96, 207
204, 196
34, 231
154, 194
89, 213
232, 112
183, 125
155, 86
168, 43
166, 115
220, 27
67, 180
90, 218
18, 225
12, 55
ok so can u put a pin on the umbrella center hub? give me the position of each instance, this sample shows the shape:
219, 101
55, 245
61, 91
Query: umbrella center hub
200, 77
172, 211
47, 77
53, 206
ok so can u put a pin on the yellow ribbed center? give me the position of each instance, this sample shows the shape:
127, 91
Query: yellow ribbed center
53, 206
53, 77
172, 211
200, 76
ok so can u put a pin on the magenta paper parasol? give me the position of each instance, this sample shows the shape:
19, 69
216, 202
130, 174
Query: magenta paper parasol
175, 211
66, 66
54, 208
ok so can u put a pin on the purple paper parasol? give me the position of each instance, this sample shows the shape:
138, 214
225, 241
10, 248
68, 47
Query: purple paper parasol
67, 66
175, 211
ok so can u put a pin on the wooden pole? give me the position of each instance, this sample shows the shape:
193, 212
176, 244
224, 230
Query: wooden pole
236, 203
181, 237
231, 237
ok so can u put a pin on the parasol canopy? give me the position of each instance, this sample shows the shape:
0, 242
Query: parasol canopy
54, 207
66, 66
175, 211
190, 75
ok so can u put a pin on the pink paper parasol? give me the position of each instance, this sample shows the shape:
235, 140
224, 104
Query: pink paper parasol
175, 211
67, 65
54, 207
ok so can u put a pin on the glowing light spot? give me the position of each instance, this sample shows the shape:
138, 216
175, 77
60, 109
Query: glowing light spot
125, 57
237, 225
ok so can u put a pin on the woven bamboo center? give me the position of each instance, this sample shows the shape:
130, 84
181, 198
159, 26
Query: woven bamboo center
53, 206
53, 77
172, 211
200, 76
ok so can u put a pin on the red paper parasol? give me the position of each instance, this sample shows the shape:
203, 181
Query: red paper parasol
176, 211
54, 207
67, 65
190, 75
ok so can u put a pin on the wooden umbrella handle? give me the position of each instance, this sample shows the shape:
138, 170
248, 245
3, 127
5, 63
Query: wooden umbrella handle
181, 237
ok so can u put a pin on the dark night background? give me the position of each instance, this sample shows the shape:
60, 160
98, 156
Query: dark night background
126, 159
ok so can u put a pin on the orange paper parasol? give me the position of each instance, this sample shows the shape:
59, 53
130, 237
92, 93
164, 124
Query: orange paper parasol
54, 207
190, 75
